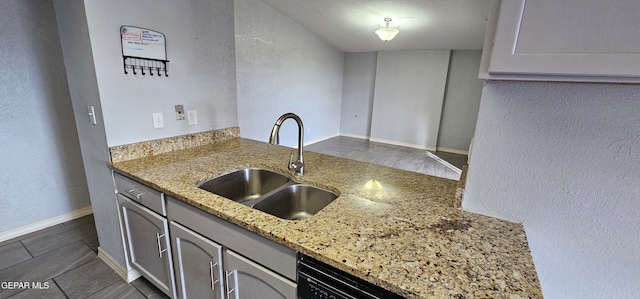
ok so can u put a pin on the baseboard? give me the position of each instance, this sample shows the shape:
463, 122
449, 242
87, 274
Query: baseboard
320, 140
128, 276
428, 148
36, 226
354, 136
453, 151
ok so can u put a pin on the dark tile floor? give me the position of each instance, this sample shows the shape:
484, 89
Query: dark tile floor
62, 262
405, 158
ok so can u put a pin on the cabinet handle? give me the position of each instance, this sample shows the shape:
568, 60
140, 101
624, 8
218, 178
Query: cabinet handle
212, 266
160, 250
135, 193
229, 291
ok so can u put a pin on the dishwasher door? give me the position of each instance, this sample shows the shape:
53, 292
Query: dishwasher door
317, 280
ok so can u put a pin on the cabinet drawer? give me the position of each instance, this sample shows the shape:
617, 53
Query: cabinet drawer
250, 280
150, 198
278, 258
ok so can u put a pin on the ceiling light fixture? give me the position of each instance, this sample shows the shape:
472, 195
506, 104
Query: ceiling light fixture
386, 33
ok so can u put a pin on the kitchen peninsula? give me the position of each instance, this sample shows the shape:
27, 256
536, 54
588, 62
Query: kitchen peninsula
393, 228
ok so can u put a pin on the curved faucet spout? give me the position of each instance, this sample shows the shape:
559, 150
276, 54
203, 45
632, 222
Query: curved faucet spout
297, 166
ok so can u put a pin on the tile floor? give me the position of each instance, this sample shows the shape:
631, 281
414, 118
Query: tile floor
406, 158
63, 260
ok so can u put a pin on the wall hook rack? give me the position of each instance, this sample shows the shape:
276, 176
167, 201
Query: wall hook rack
143, 50
135, 64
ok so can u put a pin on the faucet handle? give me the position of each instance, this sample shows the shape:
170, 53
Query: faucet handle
291, 166
297, 167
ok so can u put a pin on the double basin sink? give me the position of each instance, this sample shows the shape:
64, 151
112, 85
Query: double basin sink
270, 192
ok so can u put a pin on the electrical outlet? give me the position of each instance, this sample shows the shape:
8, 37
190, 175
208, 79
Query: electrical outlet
179, 112
192, 117
158, 121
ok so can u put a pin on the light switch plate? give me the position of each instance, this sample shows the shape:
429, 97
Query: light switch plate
192, 117
92, 114
158, 121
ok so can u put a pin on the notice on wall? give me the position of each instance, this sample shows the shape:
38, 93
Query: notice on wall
143, 43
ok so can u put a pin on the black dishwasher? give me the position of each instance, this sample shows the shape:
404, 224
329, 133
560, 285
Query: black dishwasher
317, 280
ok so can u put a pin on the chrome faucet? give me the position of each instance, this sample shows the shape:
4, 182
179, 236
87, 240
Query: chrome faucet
298, 166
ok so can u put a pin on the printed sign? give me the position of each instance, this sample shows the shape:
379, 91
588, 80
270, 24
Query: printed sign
142, 43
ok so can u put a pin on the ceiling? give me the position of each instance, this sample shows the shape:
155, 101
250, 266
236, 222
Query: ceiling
424, 24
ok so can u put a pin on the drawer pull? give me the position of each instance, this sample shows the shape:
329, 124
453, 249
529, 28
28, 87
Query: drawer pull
160, 250
135, 193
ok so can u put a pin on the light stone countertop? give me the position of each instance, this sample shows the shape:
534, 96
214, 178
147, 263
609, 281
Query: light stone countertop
405, 236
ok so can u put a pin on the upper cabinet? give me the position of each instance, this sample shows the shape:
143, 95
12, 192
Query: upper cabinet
570, 40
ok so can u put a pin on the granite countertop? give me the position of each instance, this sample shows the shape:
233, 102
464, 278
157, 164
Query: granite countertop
402, 234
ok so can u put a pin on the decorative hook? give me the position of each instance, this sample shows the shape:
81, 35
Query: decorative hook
145, 65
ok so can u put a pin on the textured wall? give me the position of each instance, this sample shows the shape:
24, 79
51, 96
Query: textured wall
357, 93
83, 86
461, 101
564, 159
282, 67
41, 172
200, 47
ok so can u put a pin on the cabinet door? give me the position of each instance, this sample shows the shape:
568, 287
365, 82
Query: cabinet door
197, 263
147, 241
571, 40
248, 280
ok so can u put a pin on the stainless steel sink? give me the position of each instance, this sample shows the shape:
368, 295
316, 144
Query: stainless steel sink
295, 202
270, 192
245, 185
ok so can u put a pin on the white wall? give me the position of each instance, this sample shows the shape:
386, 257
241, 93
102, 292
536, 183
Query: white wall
200, 48
282, 67
408, 97
41, 172
461, 98
357, 94
564, 159
461, 102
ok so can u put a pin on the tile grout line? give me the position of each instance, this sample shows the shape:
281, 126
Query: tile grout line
58, 286
27, 249
71, 269
82, 242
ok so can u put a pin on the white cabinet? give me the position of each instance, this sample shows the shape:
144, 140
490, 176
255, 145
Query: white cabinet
147, 243
246, 279
570, 40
